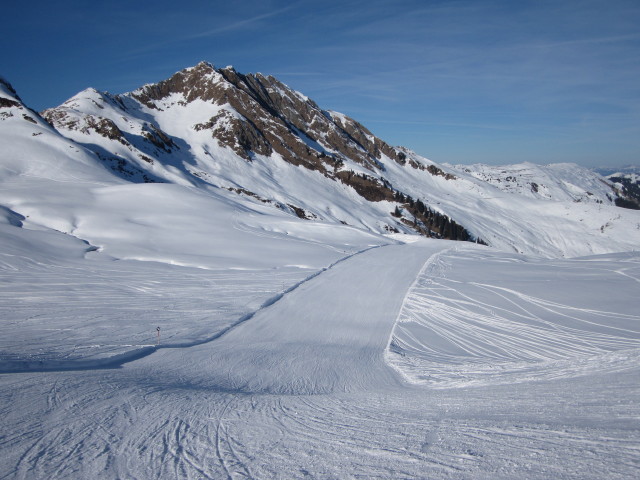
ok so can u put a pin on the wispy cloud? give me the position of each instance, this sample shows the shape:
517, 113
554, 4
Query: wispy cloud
588, 41
225, 25
242, 24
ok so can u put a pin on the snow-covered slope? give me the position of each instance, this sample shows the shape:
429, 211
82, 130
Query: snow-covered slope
558, 182
485, 318
35, 151
216, 128
546, 385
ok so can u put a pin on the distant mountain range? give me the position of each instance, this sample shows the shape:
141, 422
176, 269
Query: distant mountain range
617, 171
252, 137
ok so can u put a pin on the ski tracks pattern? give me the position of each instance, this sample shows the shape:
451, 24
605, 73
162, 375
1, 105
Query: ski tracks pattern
140, 423
454, 331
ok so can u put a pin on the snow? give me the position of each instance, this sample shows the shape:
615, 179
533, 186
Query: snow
302, 388
131, 235
465, 325
305, 349
558, 182
562, 225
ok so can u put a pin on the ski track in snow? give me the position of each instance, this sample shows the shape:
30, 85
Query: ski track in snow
300, 390
454, 331
169, 433
129, 353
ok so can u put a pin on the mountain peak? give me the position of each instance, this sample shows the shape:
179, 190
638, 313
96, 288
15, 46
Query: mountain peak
11, 105
202, 81
204, 64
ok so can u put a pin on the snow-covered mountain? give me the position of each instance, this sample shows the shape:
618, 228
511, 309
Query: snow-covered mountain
623, 170
65, 199
557, 182
626, 182
199, 281
218, 131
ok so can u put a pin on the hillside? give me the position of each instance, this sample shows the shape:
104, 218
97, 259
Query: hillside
216, 129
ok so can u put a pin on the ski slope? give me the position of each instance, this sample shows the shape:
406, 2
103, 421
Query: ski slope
318, 338
305, 349
66, 303
485, 318
308, 387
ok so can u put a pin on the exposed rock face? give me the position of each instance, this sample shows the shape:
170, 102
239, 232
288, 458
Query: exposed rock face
433, 170
158, 138
273, 118
241, 135
7, 102
106, 128
368, 187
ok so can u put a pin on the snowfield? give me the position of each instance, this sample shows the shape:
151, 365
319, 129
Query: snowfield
428, 359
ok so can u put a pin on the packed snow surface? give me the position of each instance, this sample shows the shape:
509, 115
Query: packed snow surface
336, 374
484, 318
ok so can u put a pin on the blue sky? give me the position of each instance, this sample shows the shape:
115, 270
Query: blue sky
457, 81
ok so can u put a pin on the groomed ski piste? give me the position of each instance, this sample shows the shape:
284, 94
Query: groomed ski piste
424, 359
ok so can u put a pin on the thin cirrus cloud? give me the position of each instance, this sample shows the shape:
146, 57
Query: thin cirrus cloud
243, 24
225, 25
